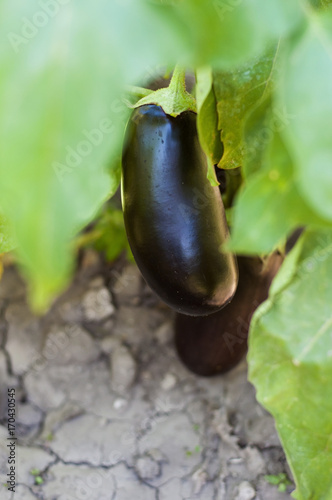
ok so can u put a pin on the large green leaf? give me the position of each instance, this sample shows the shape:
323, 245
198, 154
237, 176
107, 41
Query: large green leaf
257, 133
290, 362
62, 69
321, 4
306, 92
207, 121
269, 206
237, 93
227, 32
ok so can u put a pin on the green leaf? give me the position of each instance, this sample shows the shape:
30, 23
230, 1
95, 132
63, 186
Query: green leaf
35, 472
278, 479
145, 36
272, 479
269, 206
290, 363
321, 4
227, 33
62, 119
264, 120
108, 234
52, 166
237, 93
257, 133
305, 90
207, 121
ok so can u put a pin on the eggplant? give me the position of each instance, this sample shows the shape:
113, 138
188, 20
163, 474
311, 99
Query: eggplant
174, 219
215, 344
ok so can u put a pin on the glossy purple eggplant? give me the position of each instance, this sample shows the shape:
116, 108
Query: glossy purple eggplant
174, 219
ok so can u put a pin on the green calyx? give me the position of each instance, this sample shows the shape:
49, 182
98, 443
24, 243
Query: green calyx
174, 99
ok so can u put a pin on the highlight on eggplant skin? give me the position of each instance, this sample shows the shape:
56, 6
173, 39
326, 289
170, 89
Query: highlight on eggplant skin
215, 344
175, 220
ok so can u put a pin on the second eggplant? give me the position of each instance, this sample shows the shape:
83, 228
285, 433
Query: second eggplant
216, 343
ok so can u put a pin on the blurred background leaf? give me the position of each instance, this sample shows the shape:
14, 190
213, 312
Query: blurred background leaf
225, 33
269, 207
290, 362
321, 4
305, 91
62, 72
107, 235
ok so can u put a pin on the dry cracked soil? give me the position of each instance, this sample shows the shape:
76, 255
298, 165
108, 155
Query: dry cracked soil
106, 411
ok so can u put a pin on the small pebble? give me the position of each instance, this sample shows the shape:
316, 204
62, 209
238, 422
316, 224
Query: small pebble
123, 369
119, 403
168, 382
147, 468
97, 304
245, 491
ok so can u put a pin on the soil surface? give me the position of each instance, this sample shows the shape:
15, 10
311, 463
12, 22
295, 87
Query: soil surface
106, 411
